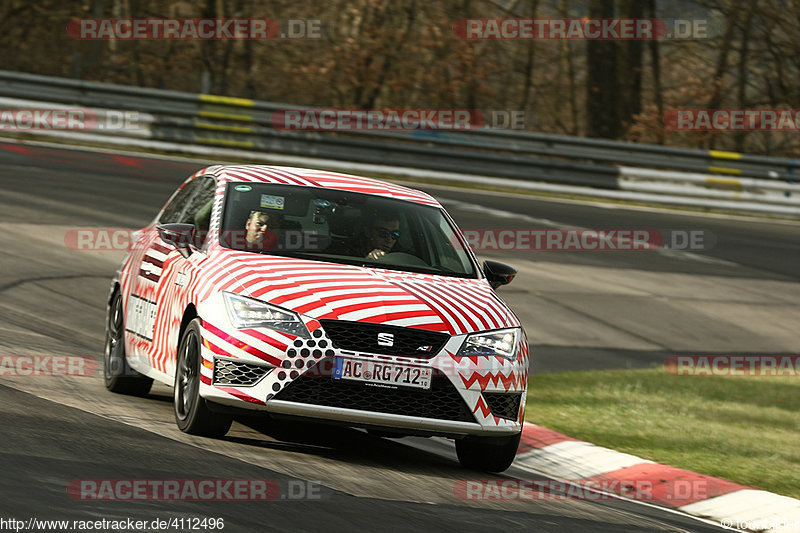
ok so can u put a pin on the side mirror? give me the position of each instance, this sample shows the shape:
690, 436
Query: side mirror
498, 273
178, 235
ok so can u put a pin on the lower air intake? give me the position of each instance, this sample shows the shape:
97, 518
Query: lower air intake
238, 374
504, 405
442, 401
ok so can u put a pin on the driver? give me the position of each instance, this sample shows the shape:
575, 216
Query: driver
381, 232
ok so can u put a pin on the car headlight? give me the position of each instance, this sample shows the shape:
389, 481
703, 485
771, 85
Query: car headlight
502, 342
251, 313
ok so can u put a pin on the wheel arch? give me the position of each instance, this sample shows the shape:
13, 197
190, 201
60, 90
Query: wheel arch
189, 314
112, 292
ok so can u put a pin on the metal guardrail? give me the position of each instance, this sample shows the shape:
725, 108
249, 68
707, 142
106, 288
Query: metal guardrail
225, 122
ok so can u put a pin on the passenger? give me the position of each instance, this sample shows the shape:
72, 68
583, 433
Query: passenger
256, 227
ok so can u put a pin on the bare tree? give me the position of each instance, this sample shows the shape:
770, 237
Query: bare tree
404, 53
602, 83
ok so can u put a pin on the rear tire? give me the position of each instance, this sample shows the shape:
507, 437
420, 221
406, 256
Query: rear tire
487, 454
191, 412
119, 377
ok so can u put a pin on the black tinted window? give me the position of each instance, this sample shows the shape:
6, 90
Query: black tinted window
174, 209
198, 208
342, 227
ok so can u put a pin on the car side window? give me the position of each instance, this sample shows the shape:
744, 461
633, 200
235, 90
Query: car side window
198, 207
172, 213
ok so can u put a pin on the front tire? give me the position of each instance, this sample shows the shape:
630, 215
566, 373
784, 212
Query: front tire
119, 377
487, 454
191, 412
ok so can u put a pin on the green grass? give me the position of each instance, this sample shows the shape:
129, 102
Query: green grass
746, 430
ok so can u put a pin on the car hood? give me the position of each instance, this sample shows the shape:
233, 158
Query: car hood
344, 292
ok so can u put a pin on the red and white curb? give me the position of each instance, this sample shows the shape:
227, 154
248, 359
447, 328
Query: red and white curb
724, 502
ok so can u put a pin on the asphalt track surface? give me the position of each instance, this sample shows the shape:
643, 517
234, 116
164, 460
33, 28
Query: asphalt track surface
55, 431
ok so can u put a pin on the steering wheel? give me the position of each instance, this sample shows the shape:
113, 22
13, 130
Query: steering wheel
402, 258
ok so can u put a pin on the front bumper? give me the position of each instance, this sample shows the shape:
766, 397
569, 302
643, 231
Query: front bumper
413, 424
472, 381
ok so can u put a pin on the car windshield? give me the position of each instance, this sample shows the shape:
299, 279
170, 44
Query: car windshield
342, 227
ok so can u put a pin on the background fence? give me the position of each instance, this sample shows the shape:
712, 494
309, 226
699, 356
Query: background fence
217, 126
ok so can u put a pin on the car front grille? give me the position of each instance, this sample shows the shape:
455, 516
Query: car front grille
405, 342
504, 405
236, 373
442, 401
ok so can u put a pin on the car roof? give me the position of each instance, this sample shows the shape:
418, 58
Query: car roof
316, 178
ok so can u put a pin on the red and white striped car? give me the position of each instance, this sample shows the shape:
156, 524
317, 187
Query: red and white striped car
323, 296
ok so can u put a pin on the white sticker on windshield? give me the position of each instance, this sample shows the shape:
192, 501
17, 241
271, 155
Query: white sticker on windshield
272, 202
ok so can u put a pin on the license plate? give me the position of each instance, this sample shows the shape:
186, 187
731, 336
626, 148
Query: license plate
394, 374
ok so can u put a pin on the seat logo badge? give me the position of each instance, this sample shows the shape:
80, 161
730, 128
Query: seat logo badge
385, 339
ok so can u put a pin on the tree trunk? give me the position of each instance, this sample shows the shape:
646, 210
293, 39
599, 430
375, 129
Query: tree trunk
630, 67
722, 59
655, 64
741, 137
529, 62
602, 87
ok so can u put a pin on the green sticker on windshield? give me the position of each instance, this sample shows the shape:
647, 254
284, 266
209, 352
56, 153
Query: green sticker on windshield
243, 188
